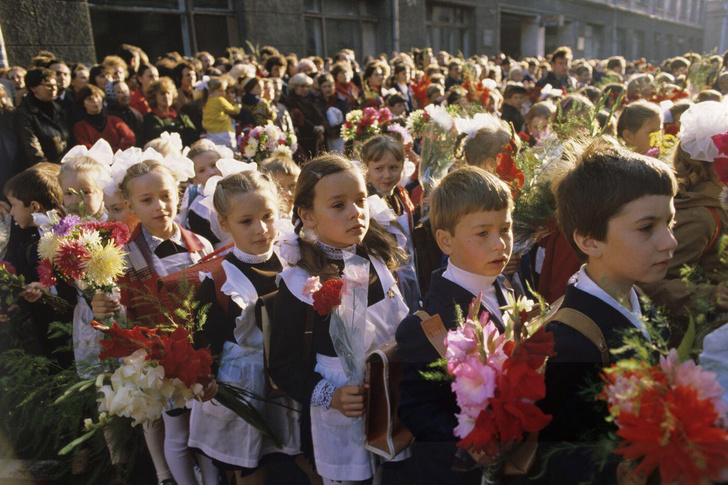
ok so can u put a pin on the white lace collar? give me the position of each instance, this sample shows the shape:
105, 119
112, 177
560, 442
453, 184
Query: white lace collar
334, 253
252, 258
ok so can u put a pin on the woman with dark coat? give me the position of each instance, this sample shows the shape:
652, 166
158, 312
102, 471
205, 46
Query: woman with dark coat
307, 119
40, 122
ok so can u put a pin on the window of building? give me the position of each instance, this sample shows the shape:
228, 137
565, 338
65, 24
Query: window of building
332, 25
159, 26
450, 28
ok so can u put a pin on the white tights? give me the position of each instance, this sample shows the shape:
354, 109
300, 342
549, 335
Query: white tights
179, 457
210, 473
154, 436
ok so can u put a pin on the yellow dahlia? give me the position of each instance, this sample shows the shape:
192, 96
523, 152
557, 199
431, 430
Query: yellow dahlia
105, 265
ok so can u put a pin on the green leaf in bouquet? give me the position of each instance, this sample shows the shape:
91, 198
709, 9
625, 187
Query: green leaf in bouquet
686, 345
239, 400
78, 441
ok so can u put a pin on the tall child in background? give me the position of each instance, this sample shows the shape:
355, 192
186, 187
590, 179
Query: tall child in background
217, 112
157, 248
383, 157
331, 203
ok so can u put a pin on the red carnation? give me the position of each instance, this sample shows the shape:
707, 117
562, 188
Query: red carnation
180, 360
509, 172
46, 274
70, 259
120, 234
328, 297
385, 115
8, 267
721, 143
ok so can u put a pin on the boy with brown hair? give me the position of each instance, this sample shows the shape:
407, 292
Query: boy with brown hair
616, 209
471, 218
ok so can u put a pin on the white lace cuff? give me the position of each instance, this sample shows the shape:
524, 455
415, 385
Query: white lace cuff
323, 393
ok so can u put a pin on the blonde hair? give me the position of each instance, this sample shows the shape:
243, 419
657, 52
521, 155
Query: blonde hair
144, 168
487, 143
377, 241
465, 191
82, 164
214, 84
281, 165
203, 145
163, 146
239, 184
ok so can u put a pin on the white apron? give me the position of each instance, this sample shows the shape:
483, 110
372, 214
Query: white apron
337, 456
218, 431
86, 341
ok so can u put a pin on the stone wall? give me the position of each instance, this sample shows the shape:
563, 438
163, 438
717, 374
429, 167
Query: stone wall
60, 26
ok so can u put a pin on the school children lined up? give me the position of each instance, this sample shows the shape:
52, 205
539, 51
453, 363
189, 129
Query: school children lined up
583, 199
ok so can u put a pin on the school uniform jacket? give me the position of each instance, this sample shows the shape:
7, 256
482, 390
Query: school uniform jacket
577, 365
428, 408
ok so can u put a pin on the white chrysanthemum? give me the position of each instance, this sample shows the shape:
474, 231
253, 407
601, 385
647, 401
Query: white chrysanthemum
282, 151
90, 239
105, 265
48, 246
272, 131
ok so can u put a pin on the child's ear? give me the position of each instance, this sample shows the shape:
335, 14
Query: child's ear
588, 245
223, 223
628, 137
307, 218
444, 240
35, 206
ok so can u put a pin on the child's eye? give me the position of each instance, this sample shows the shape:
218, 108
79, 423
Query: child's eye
483, 233
146, 200
646, 228
268, 216
338, 205
506, 230
246, 221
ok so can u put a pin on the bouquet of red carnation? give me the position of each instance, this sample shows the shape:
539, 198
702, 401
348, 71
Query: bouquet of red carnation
88, 254
498, 379
362, 125
671, 418
12, 286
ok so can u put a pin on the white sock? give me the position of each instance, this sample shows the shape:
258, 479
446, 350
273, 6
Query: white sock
210, 473
179, 458
154, 436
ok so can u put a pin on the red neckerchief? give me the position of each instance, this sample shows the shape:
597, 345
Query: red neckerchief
147, 282
348, 91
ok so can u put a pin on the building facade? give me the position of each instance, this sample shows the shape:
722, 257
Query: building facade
654, 29
716, 26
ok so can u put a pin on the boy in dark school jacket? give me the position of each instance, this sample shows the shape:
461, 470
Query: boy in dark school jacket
616, 209
471, 217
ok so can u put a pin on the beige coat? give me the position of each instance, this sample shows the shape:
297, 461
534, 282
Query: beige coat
697, 208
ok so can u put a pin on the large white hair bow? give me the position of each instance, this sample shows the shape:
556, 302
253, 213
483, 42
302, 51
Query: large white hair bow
101, 152
698, 125
226, 166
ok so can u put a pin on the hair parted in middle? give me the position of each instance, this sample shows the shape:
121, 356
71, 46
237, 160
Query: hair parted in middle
605, 178
377, 242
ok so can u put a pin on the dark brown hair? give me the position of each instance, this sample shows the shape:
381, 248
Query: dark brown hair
38, 183
377, 242
375, 148
604, 179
